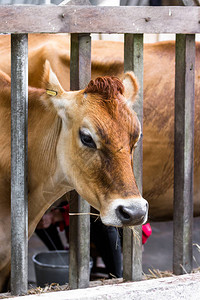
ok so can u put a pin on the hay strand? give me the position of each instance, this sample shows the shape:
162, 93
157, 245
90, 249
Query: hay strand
80, 214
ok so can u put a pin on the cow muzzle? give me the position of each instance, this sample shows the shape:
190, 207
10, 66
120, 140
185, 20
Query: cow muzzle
126, 212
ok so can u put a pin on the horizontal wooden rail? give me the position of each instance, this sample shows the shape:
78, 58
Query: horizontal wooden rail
79, 19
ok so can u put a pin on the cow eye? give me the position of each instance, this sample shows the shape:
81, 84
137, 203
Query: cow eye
87, 140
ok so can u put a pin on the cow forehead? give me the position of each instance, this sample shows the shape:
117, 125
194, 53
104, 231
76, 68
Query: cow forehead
111, 119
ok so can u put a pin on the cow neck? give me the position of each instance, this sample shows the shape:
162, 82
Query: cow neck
47, 182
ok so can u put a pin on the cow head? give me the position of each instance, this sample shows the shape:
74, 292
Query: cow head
96, 144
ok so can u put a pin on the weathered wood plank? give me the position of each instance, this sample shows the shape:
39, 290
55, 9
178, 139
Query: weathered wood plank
79, 19
132, 244
19, 190
80, 63
80, 74
79, 239
183, 153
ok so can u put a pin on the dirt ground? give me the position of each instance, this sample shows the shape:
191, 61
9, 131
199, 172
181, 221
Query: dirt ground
157, 251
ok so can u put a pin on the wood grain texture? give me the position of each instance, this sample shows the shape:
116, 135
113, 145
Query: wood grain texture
79, 238
19, 146
80, 75
132, 243
183, 153
85, 19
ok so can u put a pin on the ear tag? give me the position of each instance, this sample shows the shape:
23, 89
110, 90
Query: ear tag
51, 93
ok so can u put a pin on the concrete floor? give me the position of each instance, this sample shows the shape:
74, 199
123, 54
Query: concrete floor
157, 251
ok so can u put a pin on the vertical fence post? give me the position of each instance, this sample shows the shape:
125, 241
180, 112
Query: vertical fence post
132, 244
19, 193
183, 153
80, 75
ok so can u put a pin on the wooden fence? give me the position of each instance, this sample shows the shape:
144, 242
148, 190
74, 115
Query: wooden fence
80, 21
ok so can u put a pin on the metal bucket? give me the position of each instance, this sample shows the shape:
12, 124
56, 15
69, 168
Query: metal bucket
52, 267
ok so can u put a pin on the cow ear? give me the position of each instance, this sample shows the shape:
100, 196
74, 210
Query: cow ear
63, 102
50, 81
55, 95
131, 86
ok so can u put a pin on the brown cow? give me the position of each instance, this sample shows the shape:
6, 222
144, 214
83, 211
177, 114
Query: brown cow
90, 151
107, 59
158, 133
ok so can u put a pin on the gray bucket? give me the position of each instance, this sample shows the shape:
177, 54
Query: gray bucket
52, 267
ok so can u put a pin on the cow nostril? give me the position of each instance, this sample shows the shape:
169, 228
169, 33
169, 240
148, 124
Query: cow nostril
125, 214
122, 211
131, 215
